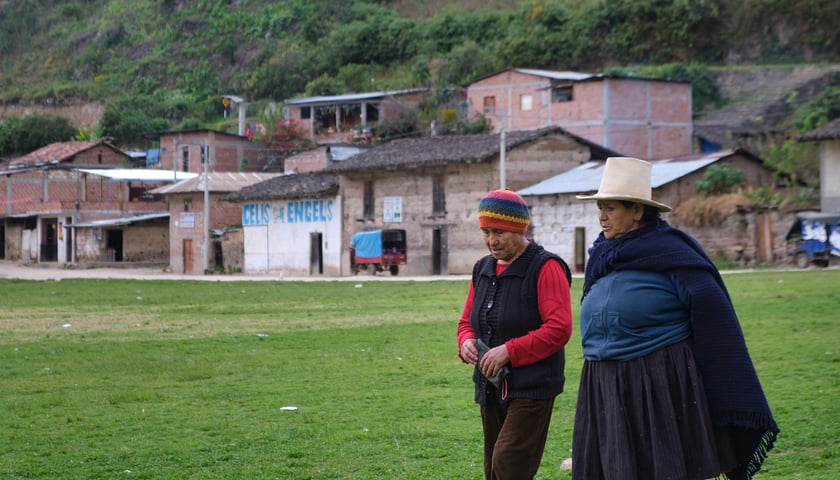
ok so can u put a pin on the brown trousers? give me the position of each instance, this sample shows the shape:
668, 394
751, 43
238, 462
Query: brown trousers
514, 437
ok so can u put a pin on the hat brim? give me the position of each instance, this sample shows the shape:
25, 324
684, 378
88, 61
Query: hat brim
644, 201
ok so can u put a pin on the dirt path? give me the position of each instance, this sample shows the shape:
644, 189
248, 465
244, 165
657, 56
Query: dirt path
59, 272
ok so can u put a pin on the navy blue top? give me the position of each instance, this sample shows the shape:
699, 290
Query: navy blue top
629, 313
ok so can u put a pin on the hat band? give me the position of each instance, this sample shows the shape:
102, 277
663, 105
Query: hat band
502, 222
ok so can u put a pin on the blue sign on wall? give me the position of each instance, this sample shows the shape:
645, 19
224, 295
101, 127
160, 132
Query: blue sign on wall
256, 214
307, 211
301, 211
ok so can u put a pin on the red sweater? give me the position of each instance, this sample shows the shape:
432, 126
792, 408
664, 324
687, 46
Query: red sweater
555, 305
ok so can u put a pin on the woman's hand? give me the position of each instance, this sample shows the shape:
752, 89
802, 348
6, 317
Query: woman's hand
468, 352
494, 360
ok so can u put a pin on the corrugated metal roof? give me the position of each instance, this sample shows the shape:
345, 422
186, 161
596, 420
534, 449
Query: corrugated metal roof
120, 221
218, 182
140, 174
350, 97
587, 177
555, 75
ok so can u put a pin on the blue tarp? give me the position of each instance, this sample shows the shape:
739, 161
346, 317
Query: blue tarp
368, 245
152, 156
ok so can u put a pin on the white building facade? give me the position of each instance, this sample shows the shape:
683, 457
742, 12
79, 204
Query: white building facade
294, 237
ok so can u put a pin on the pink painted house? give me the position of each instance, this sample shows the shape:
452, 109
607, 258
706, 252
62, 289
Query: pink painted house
640, 117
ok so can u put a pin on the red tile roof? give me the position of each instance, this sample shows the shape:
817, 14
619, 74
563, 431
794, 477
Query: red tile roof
58, 152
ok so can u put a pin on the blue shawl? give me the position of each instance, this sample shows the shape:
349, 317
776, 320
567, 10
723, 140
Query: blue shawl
735, 397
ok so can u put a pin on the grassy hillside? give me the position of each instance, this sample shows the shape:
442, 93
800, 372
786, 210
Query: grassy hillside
168, 61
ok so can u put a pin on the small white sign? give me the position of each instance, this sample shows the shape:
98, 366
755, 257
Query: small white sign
187, 220
392, 210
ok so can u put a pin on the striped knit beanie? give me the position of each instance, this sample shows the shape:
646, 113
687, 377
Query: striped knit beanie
503, 210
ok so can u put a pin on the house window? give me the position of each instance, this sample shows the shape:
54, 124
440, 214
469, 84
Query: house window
526, 102
305, 113
185, 162
489, 104
368, 206
438, 196
562, 93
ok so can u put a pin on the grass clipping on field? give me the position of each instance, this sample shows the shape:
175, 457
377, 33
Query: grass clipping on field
708, 211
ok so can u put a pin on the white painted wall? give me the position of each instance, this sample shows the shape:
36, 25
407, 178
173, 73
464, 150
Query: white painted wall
830, 175
277, 235
554, 219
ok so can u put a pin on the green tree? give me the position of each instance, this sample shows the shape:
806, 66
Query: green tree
9, 128
719, 180
36, 131
127, 120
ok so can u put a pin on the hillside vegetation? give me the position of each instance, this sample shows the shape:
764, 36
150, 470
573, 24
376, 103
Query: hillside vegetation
158, 64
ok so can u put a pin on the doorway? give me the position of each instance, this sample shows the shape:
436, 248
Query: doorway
68, 240
440, 258
188, 255
49, 240
114, 244
580, 249
316, 253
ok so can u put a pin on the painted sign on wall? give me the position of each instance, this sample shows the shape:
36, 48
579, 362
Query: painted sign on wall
298, 211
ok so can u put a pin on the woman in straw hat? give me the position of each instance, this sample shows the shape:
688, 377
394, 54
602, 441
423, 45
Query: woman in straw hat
668, 389
516, 320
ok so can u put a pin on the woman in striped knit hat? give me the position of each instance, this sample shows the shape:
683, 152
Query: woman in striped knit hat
516, 320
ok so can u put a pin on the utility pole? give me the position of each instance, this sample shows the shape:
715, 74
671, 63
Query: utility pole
500, 114
205, 158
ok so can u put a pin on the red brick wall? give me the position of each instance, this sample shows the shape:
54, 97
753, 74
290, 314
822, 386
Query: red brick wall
227, 152
223, 214
642, 118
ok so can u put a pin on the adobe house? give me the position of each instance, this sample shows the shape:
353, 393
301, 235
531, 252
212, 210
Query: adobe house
75, 202
828, 137
568, 226
343, 118
640, 117
204, 230
292, 225
431, 188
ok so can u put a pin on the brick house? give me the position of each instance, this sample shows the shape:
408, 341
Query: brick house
183, 151
640, 117
205, 235
75, 202
343, 118
431, 188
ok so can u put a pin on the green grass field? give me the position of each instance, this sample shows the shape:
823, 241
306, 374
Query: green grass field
104, 379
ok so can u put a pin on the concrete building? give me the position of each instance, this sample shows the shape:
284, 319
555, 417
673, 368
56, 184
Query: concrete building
292, 225
639, 117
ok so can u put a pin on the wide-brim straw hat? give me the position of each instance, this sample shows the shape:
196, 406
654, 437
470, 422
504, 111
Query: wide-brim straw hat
627, 179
